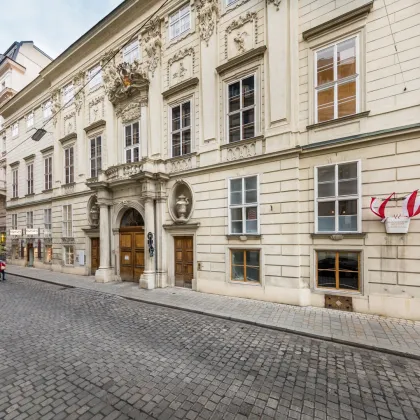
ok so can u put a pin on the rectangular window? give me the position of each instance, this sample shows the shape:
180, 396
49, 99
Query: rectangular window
15, 129
67, 221
181, 129
30, 180
30, 120
180, 22
29, 220
47, 110
245, 265
131, 52
48, 173
68, 255
95, 156
336, 81
337, 196
241, 109
243, 206
14, 221
47, 219
132, 142
338, 270
68, 94
95, 77
69, 164
15, 183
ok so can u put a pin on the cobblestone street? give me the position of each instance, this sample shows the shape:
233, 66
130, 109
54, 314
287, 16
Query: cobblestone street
68, 353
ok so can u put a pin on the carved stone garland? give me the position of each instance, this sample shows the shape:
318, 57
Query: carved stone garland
152, 44
207, 15
239, 39
179, 56
55, 105
129, 112
78, 81
276, 3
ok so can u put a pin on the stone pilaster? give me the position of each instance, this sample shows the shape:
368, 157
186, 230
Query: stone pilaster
147, 279
104, 273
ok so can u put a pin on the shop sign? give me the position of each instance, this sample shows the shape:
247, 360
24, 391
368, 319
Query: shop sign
31, 231
16, 232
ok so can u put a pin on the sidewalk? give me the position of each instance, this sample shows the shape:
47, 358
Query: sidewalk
388, 335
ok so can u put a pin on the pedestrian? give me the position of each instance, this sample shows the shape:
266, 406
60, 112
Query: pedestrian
3, 269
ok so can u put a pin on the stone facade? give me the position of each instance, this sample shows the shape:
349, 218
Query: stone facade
237, 145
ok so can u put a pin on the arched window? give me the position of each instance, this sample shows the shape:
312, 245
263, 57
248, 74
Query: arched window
132, 218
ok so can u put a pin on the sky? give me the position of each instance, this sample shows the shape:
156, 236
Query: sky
53, 25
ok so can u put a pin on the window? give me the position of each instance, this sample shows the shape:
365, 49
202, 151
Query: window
181, 129
47, 219
337, 193
30, 120
15, 129
30, 180
241, 109
95, 77
67, 221
229, 2
95, 156
47, 110
68, 255
4, 146
68, 94
243, 205
15, 183
48, 173
179, 22
245, 265
338, 270
69, 164
132, 142
131, 52
29, 220
14, 221
336, 81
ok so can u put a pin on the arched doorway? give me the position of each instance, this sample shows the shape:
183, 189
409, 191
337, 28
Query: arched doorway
131, 246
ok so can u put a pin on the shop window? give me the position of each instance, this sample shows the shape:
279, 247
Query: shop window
245, 265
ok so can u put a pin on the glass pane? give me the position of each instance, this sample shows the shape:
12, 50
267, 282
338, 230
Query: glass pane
251, 213
136, 134
186, 114
248, 124
326, 260
253, 258
347, 187
176, 144
347, 219
136, 154
186, 142
326, 173
251, 183
348, 261
98, 164
128, 156
347, 207
346, 58
251, 196
234, 97
326, 104
248, 92
347, 99
176, 118
326, 279
348, 281
347, 171
236, 185
128, 135
325, 66
326, 209
185, 23
236, 198
237, 272
326, 190
234, 135
252, 274
236, 227
236, 215
326, 224
92, 149
237, 257
251, 226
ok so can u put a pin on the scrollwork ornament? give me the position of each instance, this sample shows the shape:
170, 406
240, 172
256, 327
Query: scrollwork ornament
275, 3
78, 81
208, 14
152, 41
55, 105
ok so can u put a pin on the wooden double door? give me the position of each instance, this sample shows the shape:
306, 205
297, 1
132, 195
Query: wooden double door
184, 261
131, 253
95, 255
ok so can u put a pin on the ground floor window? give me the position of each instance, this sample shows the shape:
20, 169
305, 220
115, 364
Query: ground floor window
48, 253
245, 265
68, 255
338, 270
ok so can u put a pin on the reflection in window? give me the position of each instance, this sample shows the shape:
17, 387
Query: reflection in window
245, 265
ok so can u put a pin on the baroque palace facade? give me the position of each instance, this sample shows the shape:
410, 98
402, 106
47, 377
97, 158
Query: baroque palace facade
230, 146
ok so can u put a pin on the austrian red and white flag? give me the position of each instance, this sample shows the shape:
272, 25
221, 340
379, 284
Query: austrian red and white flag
378, 206
411, 205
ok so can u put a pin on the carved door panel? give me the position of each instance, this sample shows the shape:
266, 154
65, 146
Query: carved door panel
131, 255
95, 256
184, 261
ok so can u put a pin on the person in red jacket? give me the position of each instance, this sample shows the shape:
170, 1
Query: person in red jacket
3, 270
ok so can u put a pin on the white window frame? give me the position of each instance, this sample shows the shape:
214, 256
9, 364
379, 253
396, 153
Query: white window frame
241, 110
68, 94
129, 54
95, 76
338, 198
177, 21
47, 219
15, 129
69, 167
47, 109
48, 173
30, 178
67, 251
230, 2
133, 146
244, 206
15, 183
182, 129
29, 220
14, 221
30, 120
97, 157
67, 221
335, 83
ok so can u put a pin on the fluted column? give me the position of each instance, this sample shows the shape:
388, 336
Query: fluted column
147, 279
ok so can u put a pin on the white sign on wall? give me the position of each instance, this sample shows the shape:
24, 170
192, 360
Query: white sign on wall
32, 231
81, 258
16, 232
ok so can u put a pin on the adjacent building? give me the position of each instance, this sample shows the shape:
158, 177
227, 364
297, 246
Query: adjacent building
228, 146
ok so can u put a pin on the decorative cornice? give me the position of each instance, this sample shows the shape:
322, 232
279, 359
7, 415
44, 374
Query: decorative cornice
47, 149
207, 16
30, 157
359, 12
13, 164
236, 61
180, 87
67, 138
96, 124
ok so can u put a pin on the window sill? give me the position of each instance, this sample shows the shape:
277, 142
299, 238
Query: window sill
244, 237
245, 283
240, 142
69, 184
319, 291
30, 195
187, 155
14, 198
338, 120
47, 190
338, 236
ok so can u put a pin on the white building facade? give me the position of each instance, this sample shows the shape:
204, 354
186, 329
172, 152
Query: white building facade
230, 146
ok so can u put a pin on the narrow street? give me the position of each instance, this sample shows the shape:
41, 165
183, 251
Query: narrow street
77, 354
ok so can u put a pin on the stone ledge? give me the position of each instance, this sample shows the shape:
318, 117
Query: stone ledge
47, 149
338, 120
67, 138
338, 236
181, 226
241, 142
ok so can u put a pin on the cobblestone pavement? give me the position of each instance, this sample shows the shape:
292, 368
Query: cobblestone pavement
70, 353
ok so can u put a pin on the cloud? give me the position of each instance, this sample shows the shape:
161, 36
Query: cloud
53, 25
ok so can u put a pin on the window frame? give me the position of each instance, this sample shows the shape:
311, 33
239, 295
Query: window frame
244, 206
14, 222
69, 167
67, 248
67, 90
67, 221
338, 198
48, 181
245, 250
95, 79
337, 289
29, 218
128, 52
15, 183
178, 21
15, 129
30, 118
97, 157
47, 109
181, 129
47, 219
335, 83
30, 178
133, 146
